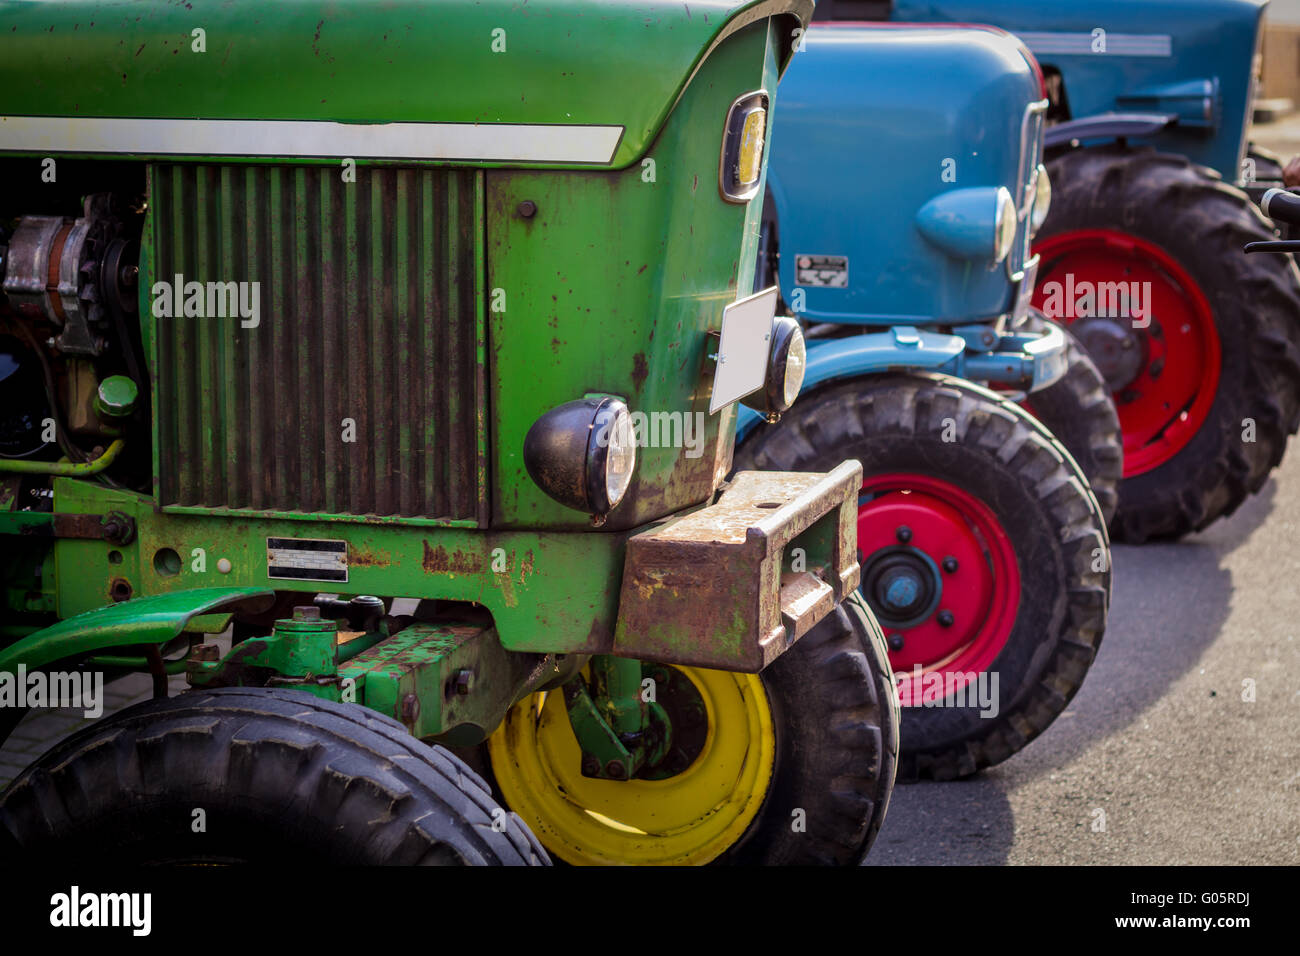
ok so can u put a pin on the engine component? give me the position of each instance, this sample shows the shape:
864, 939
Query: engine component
77, 399
71, 272
116, 398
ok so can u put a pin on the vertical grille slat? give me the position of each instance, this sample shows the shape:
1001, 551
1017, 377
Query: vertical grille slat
427, 337
369, 311
332, 350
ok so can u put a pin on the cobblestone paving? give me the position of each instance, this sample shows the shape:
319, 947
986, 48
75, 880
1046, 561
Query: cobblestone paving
42, 729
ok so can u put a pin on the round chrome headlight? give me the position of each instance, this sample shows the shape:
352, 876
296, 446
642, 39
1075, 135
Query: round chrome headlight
786, 365
613, 469
1005, 230
583, 454
1042, 200
796, 364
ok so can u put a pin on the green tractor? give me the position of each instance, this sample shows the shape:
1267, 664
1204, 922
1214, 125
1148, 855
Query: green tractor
405, 343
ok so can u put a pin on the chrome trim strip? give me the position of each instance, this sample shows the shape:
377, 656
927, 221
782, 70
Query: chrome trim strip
492, 142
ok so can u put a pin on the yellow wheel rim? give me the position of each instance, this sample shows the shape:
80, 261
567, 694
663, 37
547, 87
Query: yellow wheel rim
690, 818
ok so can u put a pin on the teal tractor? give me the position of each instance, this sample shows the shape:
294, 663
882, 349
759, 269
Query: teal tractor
983, 547
1149, 105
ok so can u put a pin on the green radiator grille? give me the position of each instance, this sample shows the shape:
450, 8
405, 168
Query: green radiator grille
361, 391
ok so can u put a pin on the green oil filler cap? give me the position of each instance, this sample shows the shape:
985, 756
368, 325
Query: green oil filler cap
116, 397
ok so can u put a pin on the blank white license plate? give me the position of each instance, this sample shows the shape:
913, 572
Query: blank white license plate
744, 348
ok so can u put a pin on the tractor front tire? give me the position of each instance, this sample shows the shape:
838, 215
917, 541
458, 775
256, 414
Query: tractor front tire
259, 776
1079, 411
1208, 383
980, 528
797, 766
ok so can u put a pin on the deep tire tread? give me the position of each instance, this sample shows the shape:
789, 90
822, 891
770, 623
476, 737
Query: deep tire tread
403, 801
827, 424
1081, 414
841, 670
1256, 302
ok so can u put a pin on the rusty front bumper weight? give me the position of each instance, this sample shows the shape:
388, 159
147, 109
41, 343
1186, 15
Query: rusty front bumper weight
731, 586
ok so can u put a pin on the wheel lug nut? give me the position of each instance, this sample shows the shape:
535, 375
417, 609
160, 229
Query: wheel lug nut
903, 533
945, 618
895, 642
950, 564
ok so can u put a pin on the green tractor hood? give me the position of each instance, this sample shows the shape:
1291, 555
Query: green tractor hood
574, 83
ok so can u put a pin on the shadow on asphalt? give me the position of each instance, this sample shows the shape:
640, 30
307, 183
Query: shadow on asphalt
1168, 604
1228, 535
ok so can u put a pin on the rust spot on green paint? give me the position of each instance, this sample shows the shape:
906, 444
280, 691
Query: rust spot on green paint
640, 369
438, 561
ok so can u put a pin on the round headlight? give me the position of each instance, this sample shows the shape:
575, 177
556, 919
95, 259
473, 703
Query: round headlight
787, 363
1005, 236
583, 454
796, 364
613, 468
1042, 200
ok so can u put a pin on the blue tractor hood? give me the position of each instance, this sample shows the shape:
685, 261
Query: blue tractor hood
888, 154
1189, 58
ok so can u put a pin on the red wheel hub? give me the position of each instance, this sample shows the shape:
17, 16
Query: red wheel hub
1164, 374
941, 576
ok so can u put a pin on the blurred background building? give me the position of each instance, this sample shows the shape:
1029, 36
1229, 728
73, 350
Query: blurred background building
1281, 86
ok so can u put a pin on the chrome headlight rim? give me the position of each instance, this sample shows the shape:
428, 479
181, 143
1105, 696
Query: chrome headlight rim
612, 436
1005, 223
792, 351
788, 356
1042, 200
570, 449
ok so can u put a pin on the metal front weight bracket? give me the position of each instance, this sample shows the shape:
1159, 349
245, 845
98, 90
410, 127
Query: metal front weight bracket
733, 585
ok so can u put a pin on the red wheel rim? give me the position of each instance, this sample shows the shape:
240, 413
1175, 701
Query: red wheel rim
961, 541
1168, 397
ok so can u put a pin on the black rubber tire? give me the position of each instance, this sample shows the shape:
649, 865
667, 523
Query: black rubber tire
1009, 461
1202, 223
836, 721
281, 776
836, 716
1079, 410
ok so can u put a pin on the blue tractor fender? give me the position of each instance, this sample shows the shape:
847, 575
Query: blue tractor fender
856, 356
1105, 126
1036, 361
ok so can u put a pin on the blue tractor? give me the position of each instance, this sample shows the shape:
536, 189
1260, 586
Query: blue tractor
1146, 144
984, 554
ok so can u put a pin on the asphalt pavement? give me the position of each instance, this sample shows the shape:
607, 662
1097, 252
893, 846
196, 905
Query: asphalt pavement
1160, 758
